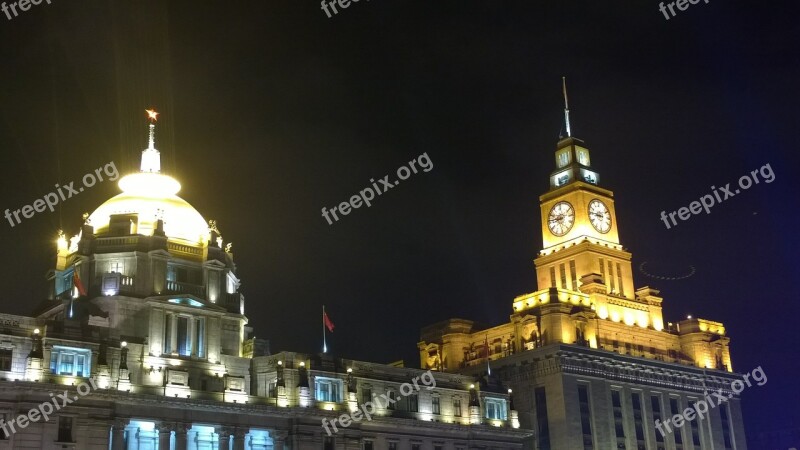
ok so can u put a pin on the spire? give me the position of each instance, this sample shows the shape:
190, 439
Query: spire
566, 105
151, 158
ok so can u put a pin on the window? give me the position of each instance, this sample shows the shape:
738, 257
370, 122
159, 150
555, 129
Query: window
619, 279
586, 417
457, 407
674, 408
70, 361
272, 389
572, 274
638, 424
392, 445
65, 429
199, 336
619, 419
392, 397
495, 408
368, 445
553, 276
438, 447
540, 399
366, 395
413, 403
435, 406
563, 158
611, 274
563, 274
4, 416
655, 402
168, 318
416, 446
185, 335
726, 426
6, 355
328, 443
695, 427
328, 389
184, 348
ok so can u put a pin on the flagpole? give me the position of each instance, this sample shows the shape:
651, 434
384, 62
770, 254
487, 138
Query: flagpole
324, 343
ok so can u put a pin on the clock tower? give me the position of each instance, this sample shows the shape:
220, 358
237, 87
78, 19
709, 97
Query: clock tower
579, 227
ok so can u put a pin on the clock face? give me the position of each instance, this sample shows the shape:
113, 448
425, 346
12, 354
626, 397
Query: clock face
561, 218
599, 216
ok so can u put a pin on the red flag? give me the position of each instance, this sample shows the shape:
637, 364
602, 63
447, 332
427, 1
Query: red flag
76, 280
327, 321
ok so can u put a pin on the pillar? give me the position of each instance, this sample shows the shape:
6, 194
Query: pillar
279, 439
239, 436
180, 436
164, 436
118, 434
224, 434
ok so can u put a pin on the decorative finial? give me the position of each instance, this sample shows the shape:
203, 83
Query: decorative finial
86, 220
566, 105
228, 247
212, 226
151, 158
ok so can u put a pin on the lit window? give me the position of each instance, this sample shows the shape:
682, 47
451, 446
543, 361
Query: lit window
328, 389
495, 408
436, 408
70, 361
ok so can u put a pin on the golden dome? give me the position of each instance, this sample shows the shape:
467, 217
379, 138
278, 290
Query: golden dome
152, 196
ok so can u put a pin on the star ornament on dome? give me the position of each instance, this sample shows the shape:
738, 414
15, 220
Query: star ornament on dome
152, 114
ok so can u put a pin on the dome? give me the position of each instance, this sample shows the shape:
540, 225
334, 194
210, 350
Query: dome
152, 195
181, 220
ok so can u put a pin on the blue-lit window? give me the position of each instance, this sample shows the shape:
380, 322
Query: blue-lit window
328, 389
495, 408
70, 361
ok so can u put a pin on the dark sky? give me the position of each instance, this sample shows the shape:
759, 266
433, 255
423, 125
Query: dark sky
271, 110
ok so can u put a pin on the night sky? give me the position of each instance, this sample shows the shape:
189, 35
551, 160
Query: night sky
271, 110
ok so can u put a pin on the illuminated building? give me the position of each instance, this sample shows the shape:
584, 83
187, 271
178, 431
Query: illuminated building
162, 334
591, 357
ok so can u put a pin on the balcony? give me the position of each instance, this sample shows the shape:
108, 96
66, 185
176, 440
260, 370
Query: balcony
179, 287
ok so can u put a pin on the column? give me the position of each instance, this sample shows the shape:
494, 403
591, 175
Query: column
180, 436
118, 434
225, 434
164, 436
239, 437
279, 439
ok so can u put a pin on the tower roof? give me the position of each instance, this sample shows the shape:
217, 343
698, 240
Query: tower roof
152, 195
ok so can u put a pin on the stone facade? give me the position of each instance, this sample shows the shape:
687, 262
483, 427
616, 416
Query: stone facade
592, 359
143, 344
